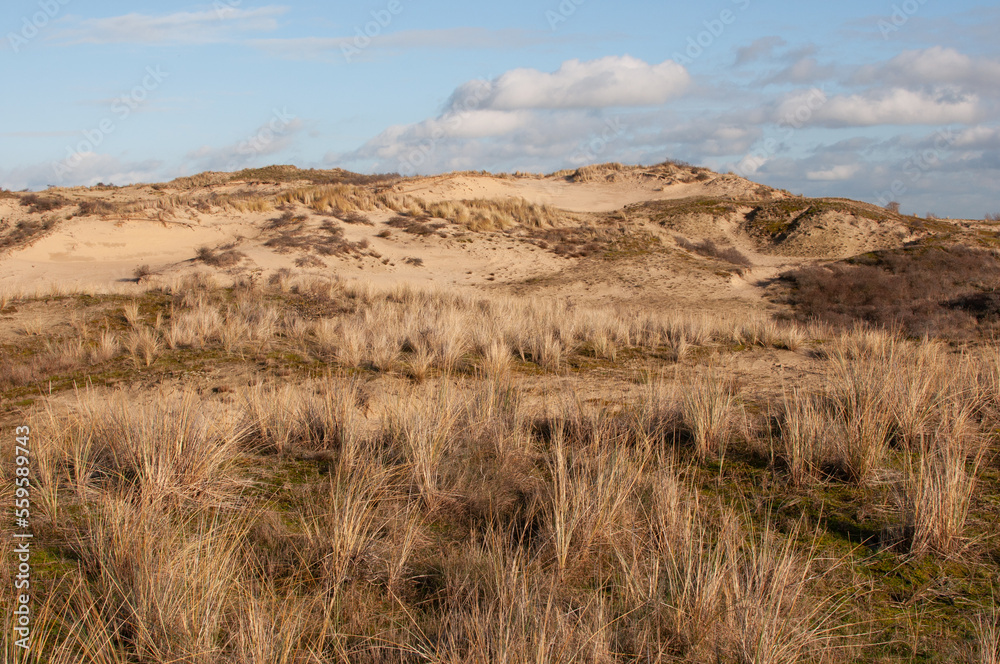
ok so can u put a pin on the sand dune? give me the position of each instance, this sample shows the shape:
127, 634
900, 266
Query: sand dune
606, 233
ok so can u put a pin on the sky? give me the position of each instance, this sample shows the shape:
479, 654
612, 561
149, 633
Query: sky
880, 101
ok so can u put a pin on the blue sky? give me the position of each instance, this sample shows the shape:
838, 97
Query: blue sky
877, 101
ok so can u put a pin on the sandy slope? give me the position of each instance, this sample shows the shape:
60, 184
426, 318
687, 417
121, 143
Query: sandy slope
102, 252
594, 196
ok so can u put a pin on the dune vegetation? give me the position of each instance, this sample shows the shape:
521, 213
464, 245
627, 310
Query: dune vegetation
306, 469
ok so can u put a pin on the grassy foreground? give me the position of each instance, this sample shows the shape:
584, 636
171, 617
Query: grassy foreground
315, 471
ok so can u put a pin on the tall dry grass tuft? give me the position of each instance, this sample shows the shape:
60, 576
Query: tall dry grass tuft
724, 590
708, 406
143, 344
130, 310
690, 567
169, 449
547, 350
47, 617
805, 430
333, 420
194, 328
419, 360
922, 382
163, 587
496, 359
272, 625
510, 610
987, 630
422, 428
105, 348
773, 618
860, 394
938, 486
340, 531
313, 416
594, 478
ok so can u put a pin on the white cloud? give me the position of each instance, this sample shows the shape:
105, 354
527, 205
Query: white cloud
86, 169
527, 118
842, 172
358, 47
202, 27
896, 106
980, 138
805, 70
604, 83
271, 138
937, 65
759, 49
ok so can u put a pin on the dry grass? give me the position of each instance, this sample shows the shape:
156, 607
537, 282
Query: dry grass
106, 347
396, 488
938, 487
864, 424
805, 435
709, 407
143, 344
496, 214
987, 631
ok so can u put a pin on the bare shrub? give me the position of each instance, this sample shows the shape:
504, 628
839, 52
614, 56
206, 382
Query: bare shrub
220, 259
924, 290
25, 231
309, 262
354, 217
708, 247
37, 204
97, 206
411, 225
